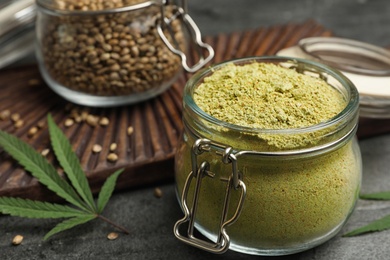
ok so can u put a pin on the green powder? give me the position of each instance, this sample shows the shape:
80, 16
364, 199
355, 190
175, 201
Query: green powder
291, 201
267, 96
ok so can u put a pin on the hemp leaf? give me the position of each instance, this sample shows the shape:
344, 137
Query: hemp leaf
376, 196
377, 225
77, 192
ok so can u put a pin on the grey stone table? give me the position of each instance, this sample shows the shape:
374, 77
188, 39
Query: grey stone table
150, 220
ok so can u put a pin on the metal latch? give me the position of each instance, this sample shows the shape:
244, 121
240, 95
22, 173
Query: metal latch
199, 46
234, 183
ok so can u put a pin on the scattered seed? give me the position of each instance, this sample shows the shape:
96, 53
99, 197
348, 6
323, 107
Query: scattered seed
113, 147
104, 121
92, 120
78, 119
33, 82
19, 123
158, 193
15, 117
96, 148
130, 130
41, 124
17, 240
74, 111
112, 157
32, 131
84, 115
60, 172
69, 122
45, 152
5, 114
112, 236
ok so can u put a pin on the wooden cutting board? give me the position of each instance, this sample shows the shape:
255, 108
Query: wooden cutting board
147, 154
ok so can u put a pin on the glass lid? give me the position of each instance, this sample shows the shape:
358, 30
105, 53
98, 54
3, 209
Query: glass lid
366, 65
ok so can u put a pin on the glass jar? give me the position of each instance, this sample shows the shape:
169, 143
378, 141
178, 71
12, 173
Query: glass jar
252, 196
112, 53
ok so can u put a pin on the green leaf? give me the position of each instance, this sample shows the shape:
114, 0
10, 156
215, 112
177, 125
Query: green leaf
68, 224
36, 209
376, 196
70, 163
46, 174
377, 225
39, 167
107, 189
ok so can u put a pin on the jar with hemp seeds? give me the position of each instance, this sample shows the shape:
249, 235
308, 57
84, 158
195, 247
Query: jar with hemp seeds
268, 163
109, 53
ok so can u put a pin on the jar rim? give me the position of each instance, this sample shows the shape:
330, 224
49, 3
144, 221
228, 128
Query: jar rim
43, 4
346, 114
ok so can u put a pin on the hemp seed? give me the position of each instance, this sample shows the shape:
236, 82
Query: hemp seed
17, 240
69, 122
15, 117
19, 123
84, 115
33, 82
77, 118
32, 131
96, 148
5, 114
113, 147
130, 130
112, 236
158, 193
45, 152
92, 120
104, 121
112, 157
41, 124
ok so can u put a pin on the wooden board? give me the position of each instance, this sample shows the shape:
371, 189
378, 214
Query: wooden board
146, 155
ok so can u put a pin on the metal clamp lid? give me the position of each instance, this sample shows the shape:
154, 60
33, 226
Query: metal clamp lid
233, 183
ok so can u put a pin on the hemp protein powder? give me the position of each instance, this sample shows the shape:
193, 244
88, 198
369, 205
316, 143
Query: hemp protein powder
267, 96
290, 201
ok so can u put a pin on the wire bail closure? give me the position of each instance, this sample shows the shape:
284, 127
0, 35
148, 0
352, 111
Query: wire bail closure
194, 32
234, 182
